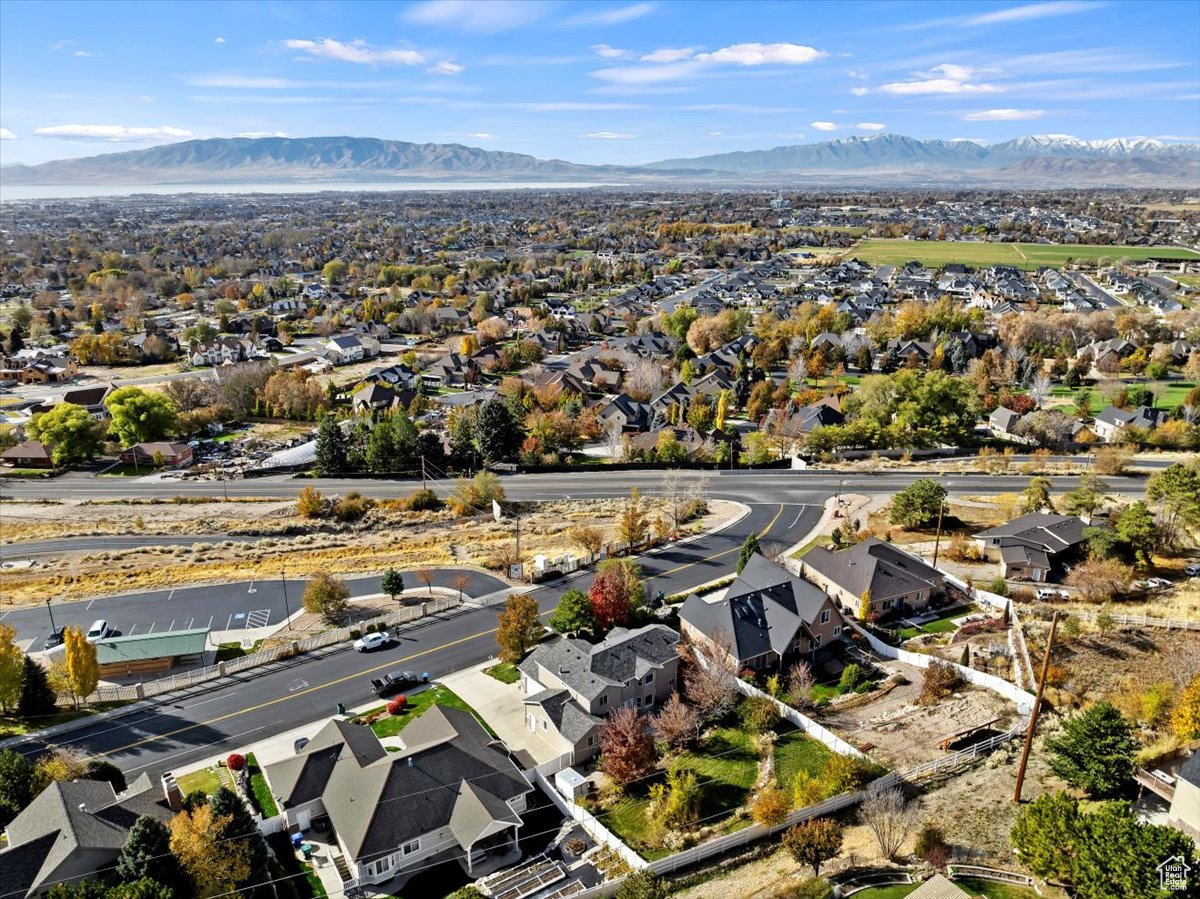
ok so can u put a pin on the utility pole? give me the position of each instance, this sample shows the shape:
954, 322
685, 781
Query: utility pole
938, 540
1033, 715
422, 471
53, 629
286, 611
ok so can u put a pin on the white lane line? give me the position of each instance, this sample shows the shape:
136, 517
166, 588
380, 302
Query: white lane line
89, 605
131, 630
152, 627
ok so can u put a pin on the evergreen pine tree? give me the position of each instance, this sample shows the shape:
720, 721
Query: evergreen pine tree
242, 827
36, 696
331, 448
147, 853
749, 547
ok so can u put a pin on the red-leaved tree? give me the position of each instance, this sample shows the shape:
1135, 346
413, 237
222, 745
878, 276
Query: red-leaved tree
610, 598
627, 747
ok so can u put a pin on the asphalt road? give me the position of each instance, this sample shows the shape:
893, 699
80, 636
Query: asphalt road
774, 485
219, 718
245, 604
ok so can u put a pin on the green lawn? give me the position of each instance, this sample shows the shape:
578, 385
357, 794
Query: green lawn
26, 473
15, 727
1172, 395
206, 780
505, 672
725, 766
895, 891
796, 752
1023, 255
418, 703
994, 890
943, 624
258, 786
125, 470
234, 650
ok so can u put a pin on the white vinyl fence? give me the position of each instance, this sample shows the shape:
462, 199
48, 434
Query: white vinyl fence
806, 724
589, 822
186, 679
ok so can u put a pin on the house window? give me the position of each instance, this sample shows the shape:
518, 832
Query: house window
818, 640
649, 701
649, 678
825, 616
592, 740
543, 724
603, 700
837, 630
411, 846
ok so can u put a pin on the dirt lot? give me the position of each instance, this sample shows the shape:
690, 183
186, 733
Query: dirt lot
383, 538
906, 734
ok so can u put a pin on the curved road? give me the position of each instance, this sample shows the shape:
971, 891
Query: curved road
218, 717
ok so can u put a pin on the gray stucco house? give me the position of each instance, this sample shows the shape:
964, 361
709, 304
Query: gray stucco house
1032, 547
74, 828
570, 685
452, 792
895, 579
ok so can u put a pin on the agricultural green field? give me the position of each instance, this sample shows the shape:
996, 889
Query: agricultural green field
935, 253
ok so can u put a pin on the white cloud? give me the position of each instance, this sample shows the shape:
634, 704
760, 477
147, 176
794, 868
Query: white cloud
258, 134
357, 51
477, 15
608, 52
617, 16
146, 98
482, 135
736, 54
82, 54
219, 40
446, 67
611, 135
1004, 115
716, 134
5, 134
860, 74
943, 79
114, 133
870, 126
764, 54
1032, 11
858, 91
823, 126
669, 54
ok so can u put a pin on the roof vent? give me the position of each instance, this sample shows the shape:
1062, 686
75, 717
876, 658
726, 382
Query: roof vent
410, 761
83, 807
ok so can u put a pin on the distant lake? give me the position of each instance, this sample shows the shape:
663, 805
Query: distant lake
15, 193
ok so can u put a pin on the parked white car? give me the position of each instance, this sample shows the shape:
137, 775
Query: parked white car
1158, 583
98, 631
1192, 571
371, 642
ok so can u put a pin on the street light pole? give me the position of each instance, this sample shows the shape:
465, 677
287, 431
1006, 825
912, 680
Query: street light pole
286, 611
53, 629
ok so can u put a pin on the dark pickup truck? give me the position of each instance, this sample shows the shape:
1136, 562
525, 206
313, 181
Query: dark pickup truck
394, 682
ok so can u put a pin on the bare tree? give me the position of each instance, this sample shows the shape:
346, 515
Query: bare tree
677, 724
460, 581
888, 814
710, 675
1040, 388
800, 682
426, 576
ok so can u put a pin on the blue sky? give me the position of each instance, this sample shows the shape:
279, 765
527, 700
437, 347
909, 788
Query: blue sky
626, 82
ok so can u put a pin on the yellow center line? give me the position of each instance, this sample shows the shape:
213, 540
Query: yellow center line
290, 696
390, 664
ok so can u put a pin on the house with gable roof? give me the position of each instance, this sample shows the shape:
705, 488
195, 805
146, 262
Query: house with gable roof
1033, 546
895, 579
452, 792
765, 618
570, 685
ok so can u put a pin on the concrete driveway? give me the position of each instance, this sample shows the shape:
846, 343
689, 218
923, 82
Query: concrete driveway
501, 706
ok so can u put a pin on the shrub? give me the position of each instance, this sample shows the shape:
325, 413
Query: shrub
811, 888
852, 678
939, 681
352, 507
424, 500
310, 503
931, 842
759, 714
999, 586
397, 705
235, 762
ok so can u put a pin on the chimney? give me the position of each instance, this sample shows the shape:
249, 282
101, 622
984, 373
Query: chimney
171, 792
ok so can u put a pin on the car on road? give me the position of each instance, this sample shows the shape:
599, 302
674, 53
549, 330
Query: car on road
54, 639
1049, 593
371, 642
98, 631
394, 682
1158, 583
1192, 571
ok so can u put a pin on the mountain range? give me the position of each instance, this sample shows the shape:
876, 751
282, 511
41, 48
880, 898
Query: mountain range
885, 159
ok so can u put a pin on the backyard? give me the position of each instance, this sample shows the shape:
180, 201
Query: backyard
943, 623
